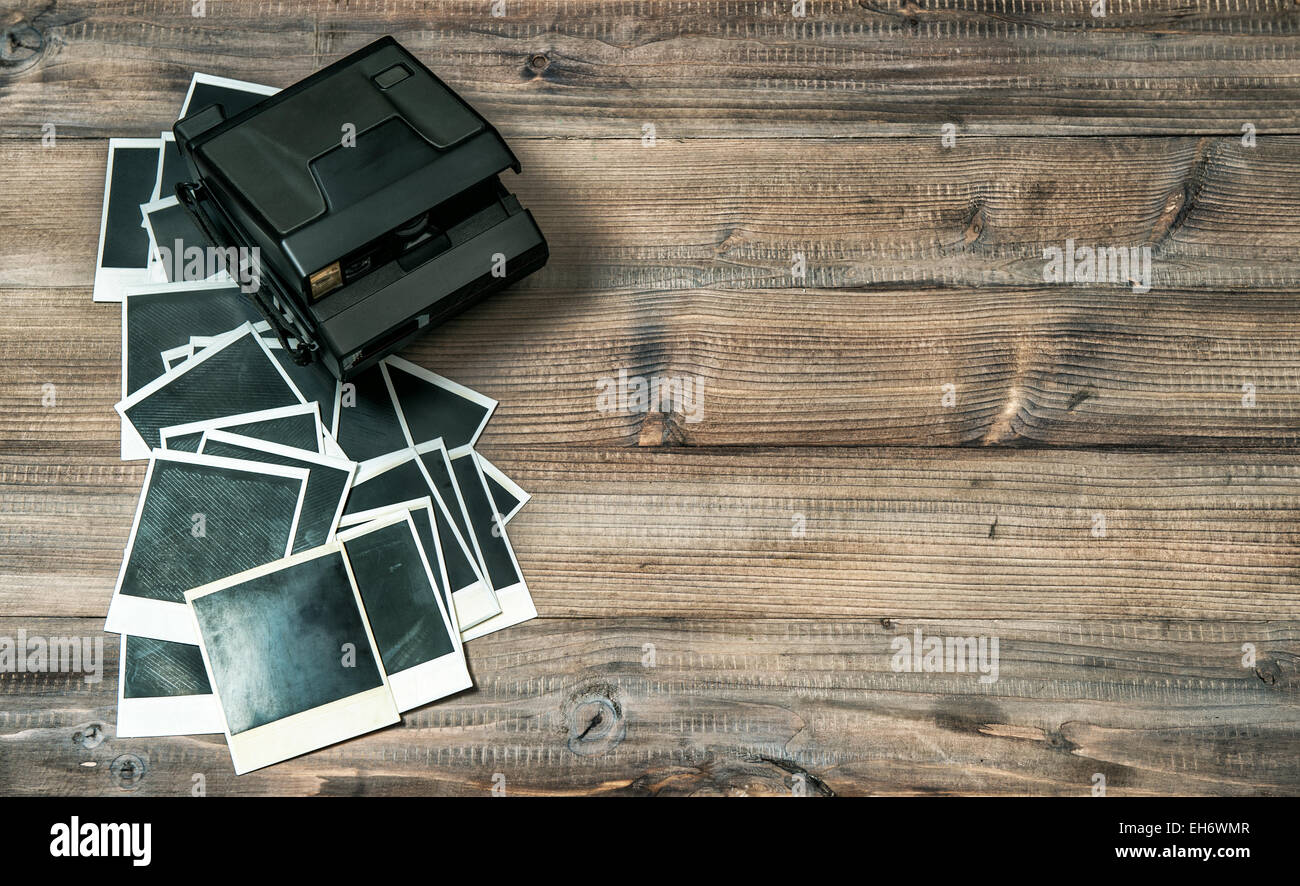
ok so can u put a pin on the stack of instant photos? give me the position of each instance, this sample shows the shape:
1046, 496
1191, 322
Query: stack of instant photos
307, 558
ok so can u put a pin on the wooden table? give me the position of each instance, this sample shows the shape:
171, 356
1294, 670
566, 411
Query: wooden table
904, 427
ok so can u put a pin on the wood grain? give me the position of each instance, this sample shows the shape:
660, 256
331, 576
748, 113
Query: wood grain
1110, 491
1064, 368
709, 68
640, 706
676, 261
878, 214
715, 533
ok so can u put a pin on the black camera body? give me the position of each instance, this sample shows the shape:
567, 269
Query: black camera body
370, 193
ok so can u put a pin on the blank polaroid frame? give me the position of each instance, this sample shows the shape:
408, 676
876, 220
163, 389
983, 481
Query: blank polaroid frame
316, 383
163, 689
233, 95
210, 305
472, 597
426, 529
501, 568
313, 379
328, 480
291, 425
291, 656
507, 495
241, 347
422, 651
166, 619
366, 421
173, 356
133, 362
437, 467
384, 484
330, 447
261, 327
122, 259
431, 407
171, 168
170, 227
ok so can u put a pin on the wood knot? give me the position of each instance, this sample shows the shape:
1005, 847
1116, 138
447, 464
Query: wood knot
539, 62
91, 736
975, 223
654, 430
127, 771
20, 46
1268, 672
593, 717
734, 239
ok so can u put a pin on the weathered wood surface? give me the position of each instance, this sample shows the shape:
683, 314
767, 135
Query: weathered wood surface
924, 268
718, 67
822, 401
865, 214
695, 534
768, 706
783, 368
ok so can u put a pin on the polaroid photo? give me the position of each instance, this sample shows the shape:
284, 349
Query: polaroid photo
501, 569
297, 426
426, 528
312, 379
316, 383
366, 423
165, 317
422, 652
123, 257
171, 168
507, 495
421, 513
173, 356
234, 96
399, 482
330, 447
173, 233
162, 689
157, 318
291, 657
431, 407
199, 518
328, 480
262, 328
237, 372
437, 466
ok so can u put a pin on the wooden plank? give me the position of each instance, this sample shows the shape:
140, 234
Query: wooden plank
1062, 368
737, 214
768, 706
693, 69
834, 533
859, 353
1026, 369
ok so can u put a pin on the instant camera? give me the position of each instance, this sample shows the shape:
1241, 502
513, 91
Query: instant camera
370, 191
